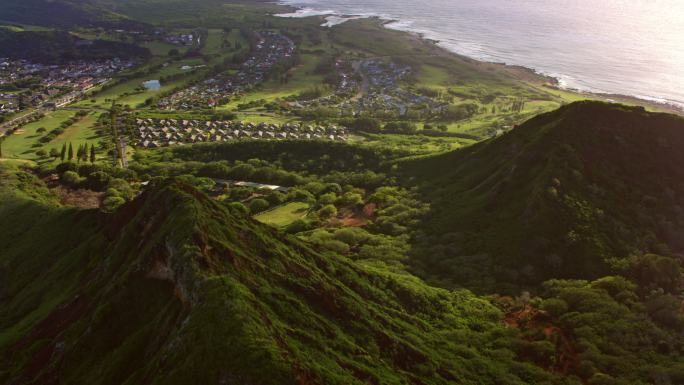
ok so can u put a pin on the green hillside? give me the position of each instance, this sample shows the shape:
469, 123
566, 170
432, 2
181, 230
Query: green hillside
263, 200
59, 13
565, 195
59, 46
176, 289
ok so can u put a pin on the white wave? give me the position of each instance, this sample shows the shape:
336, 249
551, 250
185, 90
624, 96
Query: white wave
526, 46
306, 12
334, 20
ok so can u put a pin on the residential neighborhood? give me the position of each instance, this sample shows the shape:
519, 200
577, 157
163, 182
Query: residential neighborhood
373, 86
26, 84
270, 50
153, 133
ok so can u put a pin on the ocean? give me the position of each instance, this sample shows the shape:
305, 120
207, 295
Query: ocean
628, 47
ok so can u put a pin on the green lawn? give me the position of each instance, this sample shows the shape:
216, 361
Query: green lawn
283, 215
161, 48
214, 41
80, 132
24, 143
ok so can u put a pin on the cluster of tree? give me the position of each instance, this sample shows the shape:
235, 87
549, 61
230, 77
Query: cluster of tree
518, 105
459, 111
312, 93
362, 123
618, 329
60, 46
315, 157
402, 127
114, 182
391, 212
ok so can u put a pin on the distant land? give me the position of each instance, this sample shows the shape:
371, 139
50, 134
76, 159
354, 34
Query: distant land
607, 48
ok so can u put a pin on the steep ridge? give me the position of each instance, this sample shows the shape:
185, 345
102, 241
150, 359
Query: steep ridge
566, 194
176, 289
59, 46
60, 13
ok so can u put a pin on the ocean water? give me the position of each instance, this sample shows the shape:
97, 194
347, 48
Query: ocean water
629, 47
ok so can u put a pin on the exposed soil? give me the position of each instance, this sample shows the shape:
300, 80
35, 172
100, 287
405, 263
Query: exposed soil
354, 217
530, 319
85, 199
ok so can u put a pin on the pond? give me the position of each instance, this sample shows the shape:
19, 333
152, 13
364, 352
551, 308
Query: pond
153, 85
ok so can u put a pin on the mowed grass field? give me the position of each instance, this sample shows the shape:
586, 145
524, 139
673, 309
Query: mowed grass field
283, 215
24, 143
80, 132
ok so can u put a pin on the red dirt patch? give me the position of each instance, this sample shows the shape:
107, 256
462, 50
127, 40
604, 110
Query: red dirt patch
529, 318
355, 218
85, 199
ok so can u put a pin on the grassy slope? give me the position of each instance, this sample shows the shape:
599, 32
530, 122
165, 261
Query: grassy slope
561, 194
198, 295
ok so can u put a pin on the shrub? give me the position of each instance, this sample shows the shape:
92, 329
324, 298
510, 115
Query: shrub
300, 195
336, 246
350, 199
71, 179
351, 235
327, 199
97, 181
123, 187
111, 203
111, 192
327, 211
275, 198
238, 208
298, 226
554, 306
258, 205
66, 166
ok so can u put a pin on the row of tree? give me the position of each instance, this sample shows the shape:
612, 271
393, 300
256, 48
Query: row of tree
83, 153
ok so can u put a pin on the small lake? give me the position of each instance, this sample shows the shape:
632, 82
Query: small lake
153, 85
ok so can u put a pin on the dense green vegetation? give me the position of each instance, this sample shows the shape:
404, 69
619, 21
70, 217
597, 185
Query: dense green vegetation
414, 252
59, 46
346, 270
568, 194
200, 293
175, 285
60, 13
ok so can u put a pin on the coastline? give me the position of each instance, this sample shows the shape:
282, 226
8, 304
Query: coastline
519, 72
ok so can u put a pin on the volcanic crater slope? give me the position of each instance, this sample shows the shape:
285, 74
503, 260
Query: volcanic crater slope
565, 195
174, 288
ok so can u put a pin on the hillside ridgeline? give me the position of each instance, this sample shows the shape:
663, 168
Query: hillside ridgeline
568, 194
